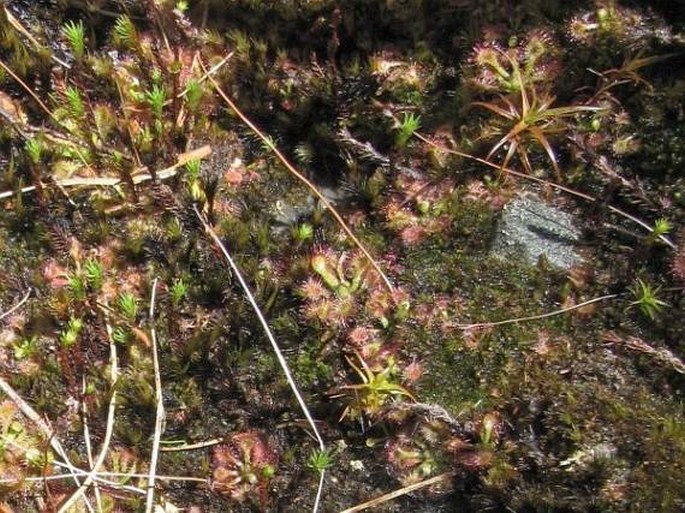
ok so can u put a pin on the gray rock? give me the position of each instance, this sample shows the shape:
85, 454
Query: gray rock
530, 228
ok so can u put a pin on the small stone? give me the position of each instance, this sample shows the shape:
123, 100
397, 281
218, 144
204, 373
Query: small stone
530, 228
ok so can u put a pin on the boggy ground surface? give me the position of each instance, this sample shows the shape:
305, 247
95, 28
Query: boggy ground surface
116, 147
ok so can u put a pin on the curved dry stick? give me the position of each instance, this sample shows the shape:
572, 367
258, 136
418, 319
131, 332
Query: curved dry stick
27, 89
90, 478
269, 143
104, 181
274, 345
100, 478
480, 325
32, 414
567, 190
159, 415
398, 493
17, 306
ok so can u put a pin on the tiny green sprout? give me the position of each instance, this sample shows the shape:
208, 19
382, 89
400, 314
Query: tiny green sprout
268, 471
304, 153
195, 188
179, 290
95, 274
121, 335
76, 106
410, 124
69, 336
268, 144
125, 33
34, 149
319, 461
155, 98
646, 298
303, 232
156, 76
194, 94
128, 305
182, 6
662, 226
145, 139
25, 348
193, 169
595, 124
75, 34
174, 229
76, 287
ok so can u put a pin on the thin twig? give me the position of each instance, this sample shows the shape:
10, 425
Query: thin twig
44, 427
114, 374
86, 441
327, 204
205, 75
277, 350
28, 410
76, 472
101, 475
20, 28
557, 186
105, 181
398, 493
159, 416
17, 306
479, 325
191, 447
27, 89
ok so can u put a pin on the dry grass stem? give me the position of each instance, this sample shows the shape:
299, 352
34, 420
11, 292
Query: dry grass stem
17, 306
480, 325
100, 477
327, 204
399, 493
276, 348
559, 187
159, 415
661, 355
96, 181
192, 447
33, 95
22, 30
114, 374
86, 441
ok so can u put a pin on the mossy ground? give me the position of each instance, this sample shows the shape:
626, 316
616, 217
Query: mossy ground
575, 412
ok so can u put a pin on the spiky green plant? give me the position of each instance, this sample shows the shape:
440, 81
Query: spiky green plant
69, 336
179, 290
410, 124
26, 347
34, 149
76, 106
647, 299
194, 93
128, 306
303, 232
95, 274
75, 34
319, 461
76, 286
155, 97
124, 33
662, 226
